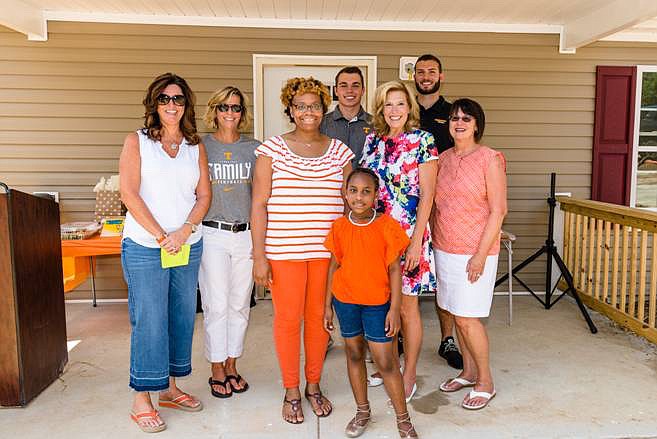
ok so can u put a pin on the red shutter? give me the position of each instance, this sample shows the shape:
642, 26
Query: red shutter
615, 91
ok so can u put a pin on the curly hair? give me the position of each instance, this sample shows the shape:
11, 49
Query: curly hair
299, 86
379, 121
220, 97
152, 125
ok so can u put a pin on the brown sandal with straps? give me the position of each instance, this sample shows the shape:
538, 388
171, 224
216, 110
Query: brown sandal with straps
296, 408
319, 400
357, 426
405, 418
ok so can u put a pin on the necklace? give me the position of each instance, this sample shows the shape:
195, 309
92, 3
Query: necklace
173, 145
362, 224
295, 140
467, 152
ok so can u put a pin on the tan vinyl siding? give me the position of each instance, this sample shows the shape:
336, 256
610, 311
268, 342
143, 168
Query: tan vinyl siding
66, 104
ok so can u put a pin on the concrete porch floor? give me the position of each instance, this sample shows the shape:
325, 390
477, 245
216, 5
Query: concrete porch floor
554, 380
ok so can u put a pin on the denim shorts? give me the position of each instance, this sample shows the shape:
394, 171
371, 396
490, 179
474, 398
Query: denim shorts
356, 320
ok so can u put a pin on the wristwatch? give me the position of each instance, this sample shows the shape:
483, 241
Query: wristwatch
192, 225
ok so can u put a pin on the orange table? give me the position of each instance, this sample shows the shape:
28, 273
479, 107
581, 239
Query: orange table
79, 260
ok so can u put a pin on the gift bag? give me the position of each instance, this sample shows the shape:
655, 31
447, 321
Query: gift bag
108, 199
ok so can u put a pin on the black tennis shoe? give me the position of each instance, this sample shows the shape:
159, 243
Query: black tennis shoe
450, 352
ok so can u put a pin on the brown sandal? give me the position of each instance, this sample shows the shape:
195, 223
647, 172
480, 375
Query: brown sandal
296, 407
319, 400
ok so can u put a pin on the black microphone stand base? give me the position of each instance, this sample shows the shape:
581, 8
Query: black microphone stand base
552, 253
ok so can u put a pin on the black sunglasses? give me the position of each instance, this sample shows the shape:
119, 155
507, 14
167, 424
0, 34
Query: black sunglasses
164, 99
235, 108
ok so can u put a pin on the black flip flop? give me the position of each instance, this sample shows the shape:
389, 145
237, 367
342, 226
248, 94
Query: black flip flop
237, 379
223, 383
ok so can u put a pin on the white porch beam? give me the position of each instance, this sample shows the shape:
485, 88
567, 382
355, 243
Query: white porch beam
609, 19
186, 20
24, 18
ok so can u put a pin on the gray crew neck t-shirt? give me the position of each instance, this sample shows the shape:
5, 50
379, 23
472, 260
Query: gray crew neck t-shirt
231, 173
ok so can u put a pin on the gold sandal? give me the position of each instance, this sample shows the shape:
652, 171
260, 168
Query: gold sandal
405, 432
356, 426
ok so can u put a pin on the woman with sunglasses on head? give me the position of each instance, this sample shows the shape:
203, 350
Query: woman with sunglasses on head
297, 194
226, 277
470, 205
404, 157
165, 186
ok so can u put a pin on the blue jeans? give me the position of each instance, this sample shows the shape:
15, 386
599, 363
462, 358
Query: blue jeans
162, 308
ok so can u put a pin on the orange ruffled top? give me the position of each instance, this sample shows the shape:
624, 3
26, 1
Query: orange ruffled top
364, 254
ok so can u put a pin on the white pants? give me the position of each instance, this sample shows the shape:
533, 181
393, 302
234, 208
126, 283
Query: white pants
225, 280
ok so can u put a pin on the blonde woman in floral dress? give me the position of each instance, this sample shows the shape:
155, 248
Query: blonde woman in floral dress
404, 157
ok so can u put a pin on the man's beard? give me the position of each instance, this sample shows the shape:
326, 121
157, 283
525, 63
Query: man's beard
432, 90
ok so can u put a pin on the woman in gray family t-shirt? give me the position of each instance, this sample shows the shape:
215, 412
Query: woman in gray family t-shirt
225, 276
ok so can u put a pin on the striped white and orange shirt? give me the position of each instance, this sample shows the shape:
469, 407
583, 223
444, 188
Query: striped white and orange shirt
306, 197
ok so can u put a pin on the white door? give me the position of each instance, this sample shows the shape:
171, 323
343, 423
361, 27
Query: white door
271, 72
275, 121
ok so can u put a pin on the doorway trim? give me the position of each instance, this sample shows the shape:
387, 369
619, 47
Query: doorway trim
260, 61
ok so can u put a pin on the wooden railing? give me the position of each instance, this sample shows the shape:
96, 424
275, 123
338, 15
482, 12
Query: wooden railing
611, 250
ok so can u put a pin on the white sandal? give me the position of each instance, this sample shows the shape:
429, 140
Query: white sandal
373, 381
475, 394
408, 398
444, 387
413, 390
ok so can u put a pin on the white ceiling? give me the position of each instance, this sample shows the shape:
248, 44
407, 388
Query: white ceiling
579, 22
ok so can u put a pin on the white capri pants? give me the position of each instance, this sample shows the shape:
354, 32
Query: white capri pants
455, 293
225, 280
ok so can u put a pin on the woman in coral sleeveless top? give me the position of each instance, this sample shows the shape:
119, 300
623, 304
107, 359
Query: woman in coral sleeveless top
470, 205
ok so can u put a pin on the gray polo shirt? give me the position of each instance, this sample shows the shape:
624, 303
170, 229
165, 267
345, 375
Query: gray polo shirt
351, 132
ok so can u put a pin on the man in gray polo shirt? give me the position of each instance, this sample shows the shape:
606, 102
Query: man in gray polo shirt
349, 122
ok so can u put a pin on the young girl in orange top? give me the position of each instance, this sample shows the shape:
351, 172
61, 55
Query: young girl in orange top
364, 287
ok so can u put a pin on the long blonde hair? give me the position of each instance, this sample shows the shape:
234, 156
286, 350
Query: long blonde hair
380, 95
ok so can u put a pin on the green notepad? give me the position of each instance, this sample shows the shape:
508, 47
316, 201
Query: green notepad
180, 258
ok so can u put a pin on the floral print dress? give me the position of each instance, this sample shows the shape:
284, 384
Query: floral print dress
396, 161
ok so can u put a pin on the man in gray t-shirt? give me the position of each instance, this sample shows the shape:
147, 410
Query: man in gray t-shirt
349, 122
231, 172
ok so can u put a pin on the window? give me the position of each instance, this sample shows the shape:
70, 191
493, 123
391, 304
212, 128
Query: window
644, 169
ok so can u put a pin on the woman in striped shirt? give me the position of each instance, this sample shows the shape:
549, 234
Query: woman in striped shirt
297, 194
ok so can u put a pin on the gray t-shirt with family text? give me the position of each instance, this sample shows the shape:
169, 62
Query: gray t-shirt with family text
231, 173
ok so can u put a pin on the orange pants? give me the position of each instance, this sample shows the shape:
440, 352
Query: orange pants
298, 293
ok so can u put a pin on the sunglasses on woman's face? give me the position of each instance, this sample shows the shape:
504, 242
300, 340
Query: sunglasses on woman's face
164, 99
235, 108
466, 119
